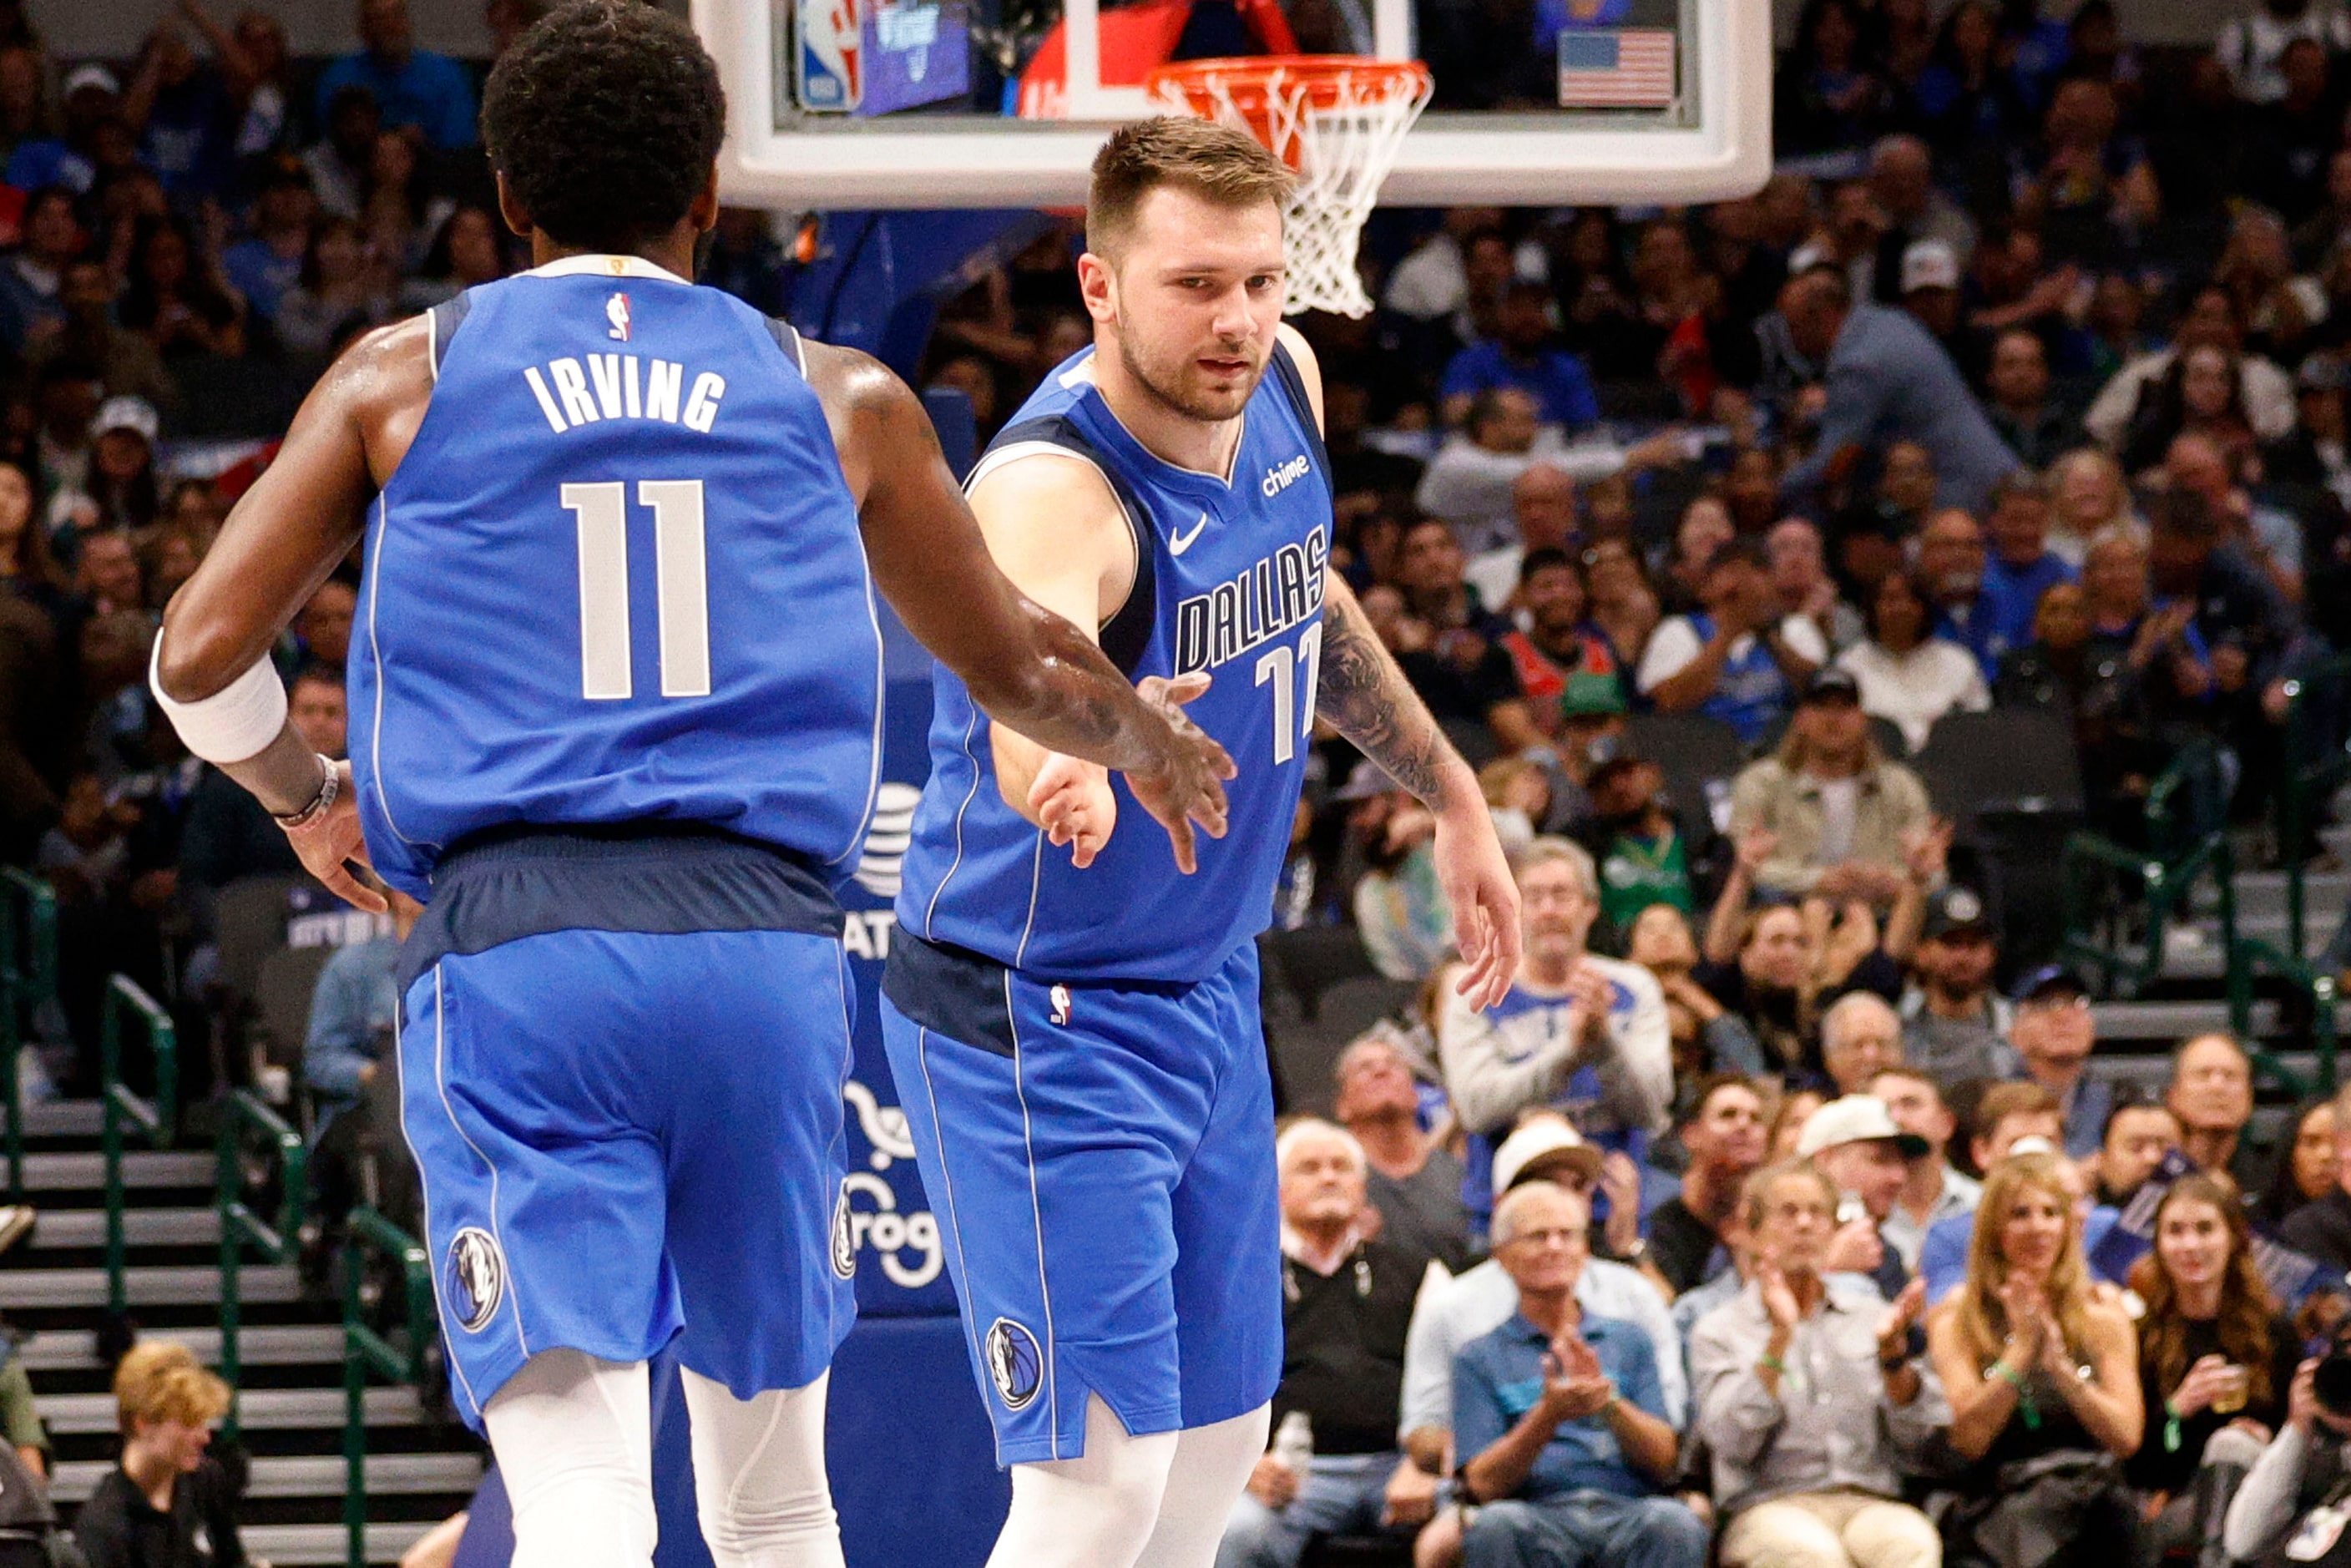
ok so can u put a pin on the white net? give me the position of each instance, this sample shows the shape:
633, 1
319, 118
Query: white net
1340, 123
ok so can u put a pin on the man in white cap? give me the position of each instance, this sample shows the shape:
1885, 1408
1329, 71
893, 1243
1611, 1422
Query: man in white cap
1857, 1145
1460, 1311
92, 97
1930, 291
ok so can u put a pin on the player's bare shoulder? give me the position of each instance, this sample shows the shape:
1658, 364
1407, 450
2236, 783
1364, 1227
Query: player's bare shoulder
381, 384
1310, 368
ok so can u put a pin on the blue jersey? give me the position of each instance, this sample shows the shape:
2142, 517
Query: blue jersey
1229, 581
617, 579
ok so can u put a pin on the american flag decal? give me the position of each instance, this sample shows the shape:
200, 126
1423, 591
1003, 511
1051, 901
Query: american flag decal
1615, 68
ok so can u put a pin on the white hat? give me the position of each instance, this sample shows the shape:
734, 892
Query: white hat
95, 75
125, 414
1808, 255
1855, 1119
1929, 264
1540, 1139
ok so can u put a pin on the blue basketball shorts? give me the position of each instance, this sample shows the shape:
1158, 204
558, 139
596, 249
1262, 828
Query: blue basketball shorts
628, 1137
1100, 1156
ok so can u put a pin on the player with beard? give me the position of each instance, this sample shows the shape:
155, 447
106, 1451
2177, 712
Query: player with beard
1071, 1011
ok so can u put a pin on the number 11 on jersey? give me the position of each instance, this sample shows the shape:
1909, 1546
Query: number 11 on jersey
681, 586
1293, 716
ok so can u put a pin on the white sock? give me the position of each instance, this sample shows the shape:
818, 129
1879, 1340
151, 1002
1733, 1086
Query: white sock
574, 1440
759, 1476
1212, 1466
1093, 1512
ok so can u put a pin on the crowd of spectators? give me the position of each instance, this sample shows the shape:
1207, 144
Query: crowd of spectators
1776, 1212
2019, 389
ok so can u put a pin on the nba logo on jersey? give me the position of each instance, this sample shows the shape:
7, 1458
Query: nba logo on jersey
832, 55
616, 311
1060, 996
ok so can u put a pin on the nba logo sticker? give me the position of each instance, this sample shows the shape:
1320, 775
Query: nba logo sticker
616, 311
832, 73
1014, 1364
844, 1239
473, 1280
1060, 999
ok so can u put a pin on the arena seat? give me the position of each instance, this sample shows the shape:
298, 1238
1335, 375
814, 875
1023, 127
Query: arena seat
1699, 756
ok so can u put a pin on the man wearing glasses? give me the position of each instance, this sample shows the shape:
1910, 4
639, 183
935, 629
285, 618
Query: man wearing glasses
2053, 1032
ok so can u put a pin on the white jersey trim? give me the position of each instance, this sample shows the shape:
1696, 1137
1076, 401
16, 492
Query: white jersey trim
608, 267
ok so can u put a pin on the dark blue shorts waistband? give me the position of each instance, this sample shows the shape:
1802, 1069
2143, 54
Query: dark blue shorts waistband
655, 878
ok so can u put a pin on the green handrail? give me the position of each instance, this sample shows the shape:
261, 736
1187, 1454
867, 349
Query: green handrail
366, 1351
279, 1239
2311, 771
2308, 778
28, 977
2175, 859
157, 1119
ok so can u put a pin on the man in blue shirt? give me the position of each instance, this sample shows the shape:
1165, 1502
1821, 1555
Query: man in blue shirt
1886, 380
2021, 568
411, 86
1558, 1418
1521, 355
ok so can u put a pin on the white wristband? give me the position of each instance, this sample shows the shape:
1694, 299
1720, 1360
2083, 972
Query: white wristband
233, 724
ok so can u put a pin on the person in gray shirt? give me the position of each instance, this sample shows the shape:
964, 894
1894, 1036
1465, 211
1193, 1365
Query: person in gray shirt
1888, 380
1813, 1404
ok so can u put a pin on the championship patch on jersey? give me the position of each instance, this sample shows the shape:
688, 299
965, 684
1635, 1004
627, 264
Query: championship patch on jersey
474, 1278
1015, 1364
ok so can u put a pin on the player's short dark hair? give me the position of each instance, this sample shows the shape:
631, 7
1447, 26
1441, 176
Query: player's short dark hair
604, 118
1543, 558
1226, 165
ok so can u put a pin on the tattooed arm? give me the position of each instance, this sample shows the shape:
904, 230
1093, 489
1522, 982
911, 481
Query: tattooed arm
1365, 696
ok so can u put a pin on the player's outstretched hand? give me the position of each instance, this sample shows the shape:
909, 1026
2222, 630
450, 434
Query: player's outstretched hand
1484, 900
1190, 790
1074, 804
328, 843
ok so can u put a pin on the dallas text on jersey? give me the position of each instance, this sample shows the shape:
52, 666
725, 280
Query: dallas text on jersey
1280, 592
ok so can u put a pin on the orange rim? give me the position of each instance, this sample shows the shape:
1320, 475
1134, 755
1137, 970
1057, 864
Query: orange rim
1247, 79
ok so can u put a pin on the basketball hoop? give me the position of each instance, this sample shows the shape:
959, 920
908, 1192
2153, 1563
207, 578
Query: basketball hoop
1339, 121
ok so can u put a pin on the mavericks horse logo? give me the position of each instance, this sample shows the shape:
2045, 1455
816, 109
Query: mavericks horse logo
844, 1237
474, 1280
1014, 1363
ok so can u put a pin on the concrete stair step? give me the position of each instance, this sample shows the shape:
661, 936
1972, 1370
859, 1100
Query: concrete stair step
190, 1285
307, 1475
326, 1545
60, 1230
271, 1345
86, 1171
261, 1409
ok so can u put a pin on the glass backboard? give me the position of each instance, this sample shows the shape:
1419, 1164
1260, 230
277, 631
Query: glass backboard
983, 103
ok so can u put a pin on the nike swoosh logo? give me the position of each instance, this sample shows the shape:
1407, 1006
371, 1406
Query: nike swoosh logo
1179, 543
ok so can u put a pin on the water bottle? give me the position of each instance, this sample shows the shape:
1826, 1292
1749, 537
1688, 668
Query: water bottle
1293, 1443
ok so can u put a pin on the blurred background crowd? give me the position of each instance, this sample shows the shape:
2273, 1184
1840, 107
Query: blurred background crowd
1779, 562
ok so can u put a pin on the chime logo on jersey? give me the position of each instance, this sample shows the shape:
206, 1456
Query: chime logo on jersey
1261, 603
616, 311
844, 1241
475, 1277
1015, 1364
1059, 995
